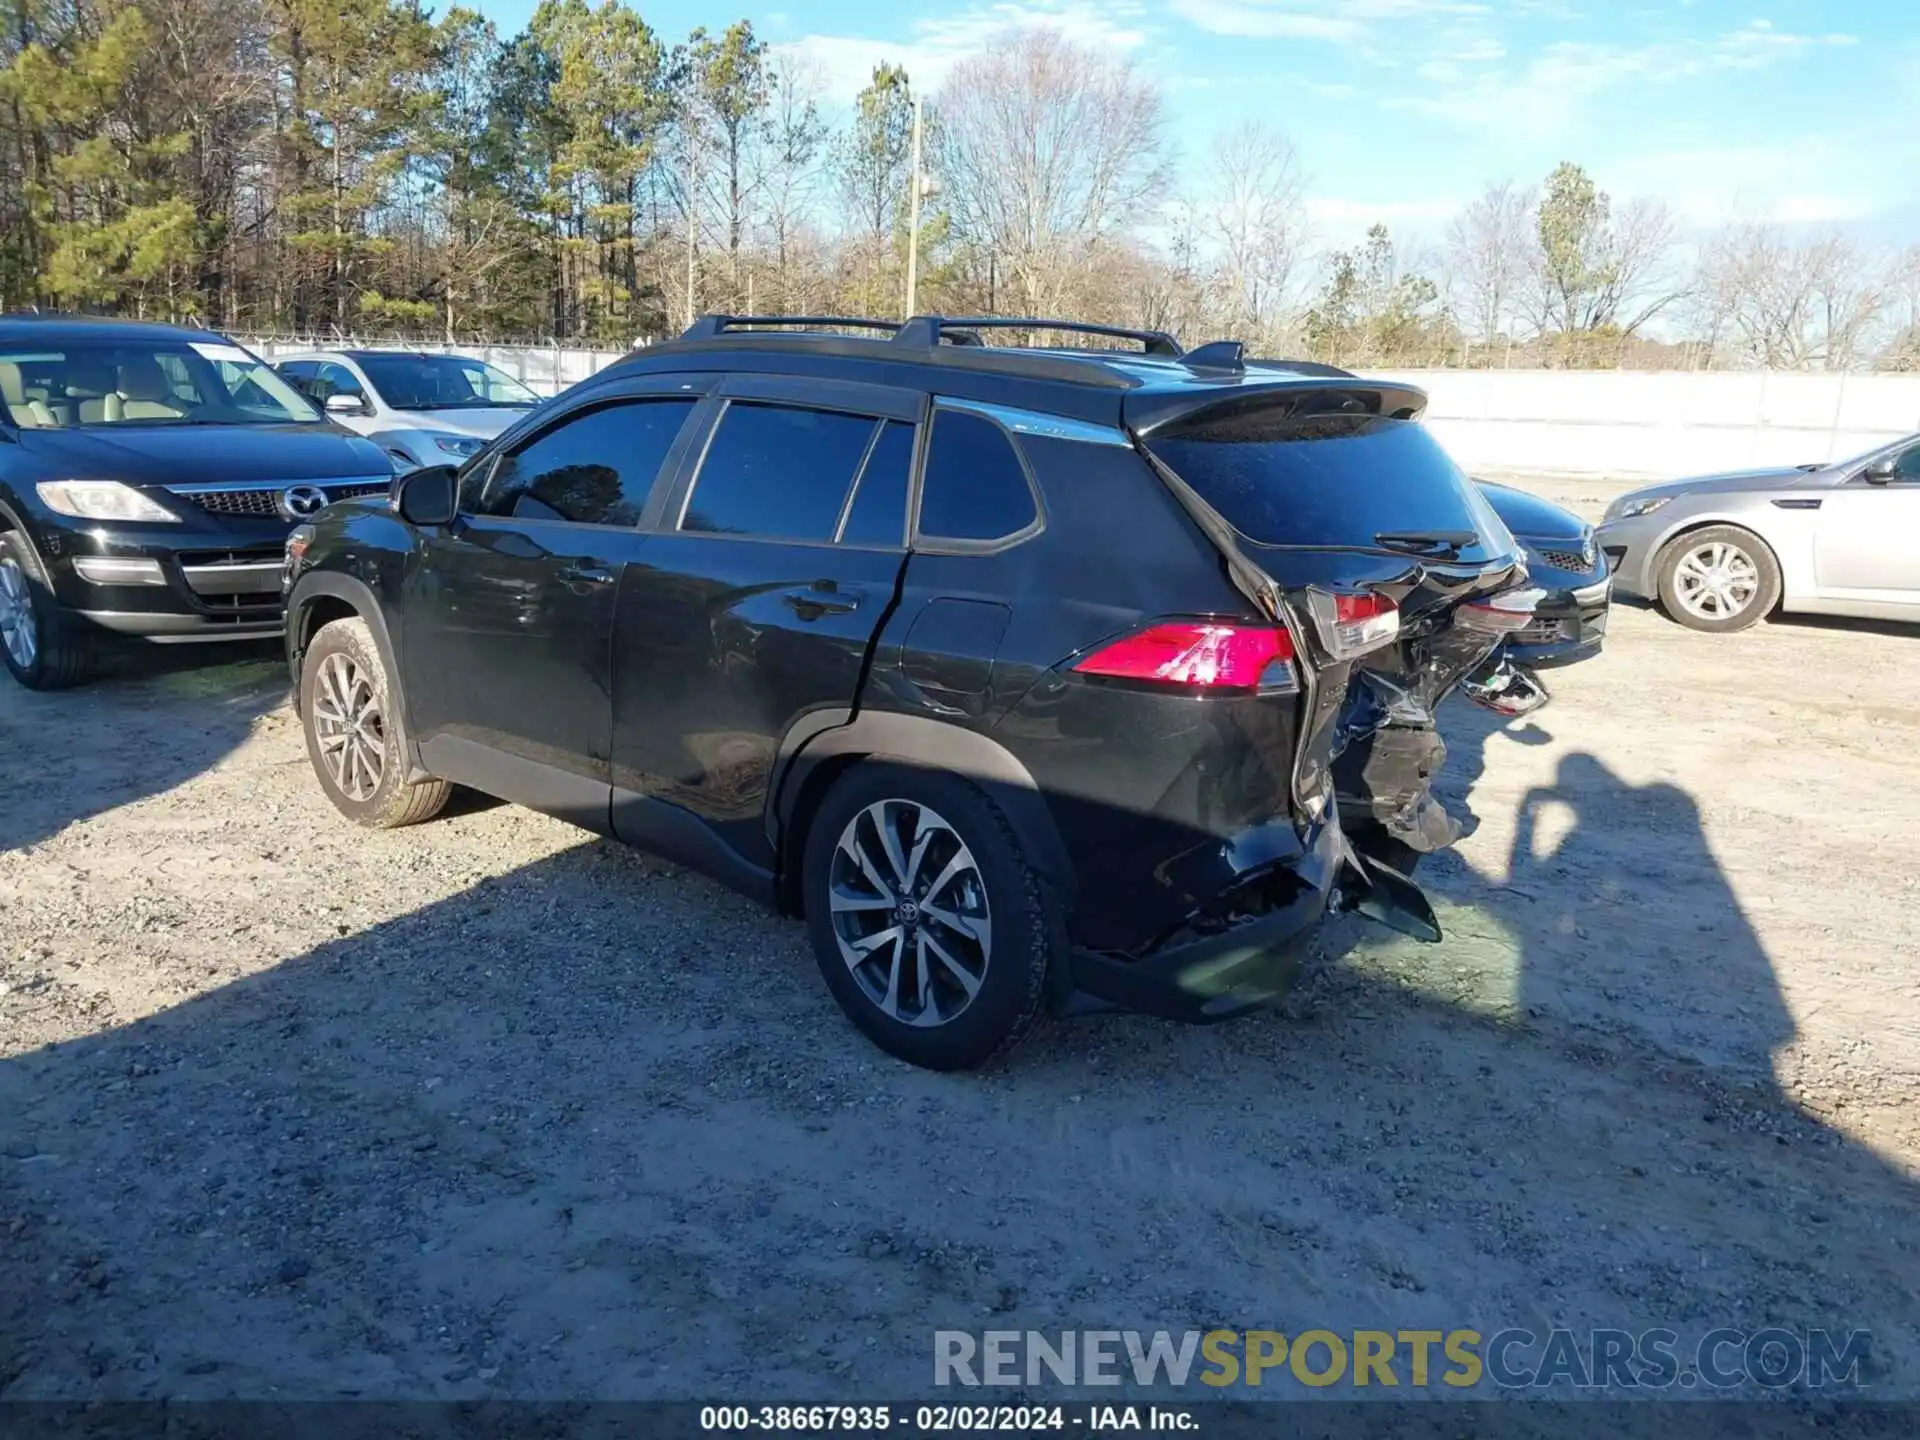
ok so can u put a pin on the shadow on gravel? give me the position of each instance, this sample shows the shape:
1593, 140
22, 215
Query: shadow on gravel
594, 1128
157, 716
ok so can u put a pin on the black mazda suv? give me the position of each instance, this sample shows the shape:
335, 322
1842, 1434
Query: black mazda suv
148, 478
1016, 671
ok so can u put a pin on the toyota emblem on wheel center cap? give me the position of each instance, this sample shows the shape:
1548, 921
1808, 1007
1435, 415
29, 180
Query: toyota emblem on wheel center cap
302, 502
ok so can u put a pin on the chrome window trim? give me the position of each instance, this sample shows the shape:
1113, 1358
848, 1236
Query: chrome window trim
1034, 422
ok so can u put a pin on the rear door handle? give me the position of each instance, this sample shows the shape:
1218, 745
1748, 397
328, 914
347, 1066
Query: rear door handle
813, 602
578, 575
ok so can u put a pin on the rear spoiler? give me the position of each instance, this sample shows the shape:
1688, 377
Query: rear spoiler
1149, 411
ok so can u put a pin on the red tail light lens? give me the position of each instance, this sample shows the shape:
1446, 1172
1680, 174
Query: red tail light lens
1351, 625
1195, 653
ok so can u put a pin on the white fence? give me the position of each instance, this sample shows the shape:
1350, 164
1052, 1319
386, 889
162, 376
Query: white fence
1657, 424
1627, 423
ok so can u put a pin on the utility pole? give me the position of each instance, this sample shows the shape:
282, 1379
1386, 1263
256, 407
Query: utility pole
913, 222
693, 227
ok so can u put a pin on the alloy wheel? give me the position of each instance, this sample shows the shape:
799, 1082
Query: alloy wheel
1716, 581
18, 632
349, 725
909, 910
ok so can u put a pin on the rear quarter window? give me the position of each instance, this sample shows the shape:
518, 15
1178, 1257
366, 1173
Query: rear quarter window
975, 489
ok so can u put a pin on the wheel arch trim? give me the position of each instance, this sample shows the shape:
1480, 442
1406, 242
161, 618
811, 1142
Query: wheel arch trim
828, 736
322, 584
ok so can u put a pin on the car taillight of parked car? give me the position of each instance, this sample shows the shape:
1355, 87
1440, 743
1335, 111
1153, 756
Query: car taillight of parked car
1200, 655
1351, 625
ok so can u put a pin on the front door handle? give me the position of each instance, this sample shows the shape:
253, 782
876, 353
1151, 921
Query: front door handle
580, 576
820, 599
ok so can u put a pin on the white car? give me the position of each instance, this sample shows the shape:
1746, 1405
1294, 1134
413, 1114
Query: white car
421, 409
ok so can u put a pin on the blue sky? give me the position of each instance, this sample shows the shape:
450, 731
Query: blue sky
1400, 110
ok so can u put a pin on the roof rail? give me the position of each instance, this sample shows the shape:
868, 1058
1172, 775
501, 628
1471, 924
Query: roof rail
1153, 342
708, 326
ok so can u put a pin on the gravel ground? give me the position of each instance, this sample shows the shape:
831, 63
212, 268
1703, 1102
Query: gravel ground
490, 1108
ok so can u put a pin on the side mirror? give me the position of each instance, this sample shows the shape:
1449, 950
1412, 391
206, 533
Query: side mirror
426, 497
340, 403
1881, 471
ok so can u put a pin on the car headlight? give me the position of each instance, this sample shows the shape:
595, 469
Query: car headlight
1645, 505
460, 445
100, 500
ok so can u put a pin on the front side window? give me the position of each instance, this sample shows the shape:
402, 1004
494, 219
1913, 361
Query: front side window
330, 379
443, 382
592, 469
975, 489
72, 385
778, 472
1907, 467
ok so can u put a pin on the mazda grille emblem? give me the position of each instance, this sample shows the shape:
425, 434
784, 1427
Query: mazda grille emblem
302, 502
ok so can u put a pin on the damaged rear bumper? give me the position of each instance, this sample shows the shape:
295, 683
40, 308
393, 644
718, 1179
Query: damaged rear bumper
1253, 963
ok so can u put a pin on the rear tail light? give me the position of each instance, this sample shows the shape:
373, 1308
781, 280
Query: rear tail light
1198, 654
1353, 624
1501, 614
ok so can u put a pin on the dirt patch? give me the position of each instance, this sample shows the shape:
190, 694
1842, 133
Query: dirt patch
487, 1107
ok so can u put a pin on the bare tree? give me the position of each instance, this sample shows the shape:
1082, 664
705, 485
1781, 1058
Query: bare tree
1902, 350
788, 163
1256, 213
1487, 257
1050, 151
1791, 304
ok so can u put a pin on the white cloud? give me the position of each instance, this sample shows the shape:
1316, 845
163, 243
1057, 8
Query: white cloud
931, 47
1813, 184
1246, 21
1544, 98
1340, 22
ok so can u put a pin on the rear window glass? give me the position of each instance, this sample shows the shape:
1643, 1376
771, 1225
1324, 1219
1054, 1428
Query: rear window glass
1329, 479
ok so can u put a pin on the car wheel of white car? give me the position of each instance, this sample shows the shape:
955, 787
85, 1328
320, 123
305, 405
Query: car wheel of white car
1719, 579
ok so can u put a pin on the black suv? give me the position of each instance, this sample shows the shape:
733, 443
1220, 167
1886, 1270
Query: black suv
1017, 672
148, 478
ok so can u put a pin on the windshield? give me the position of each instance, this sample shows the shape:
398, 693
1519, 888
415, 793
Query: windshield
71, 385
1281, 477
442, 382
1867, 455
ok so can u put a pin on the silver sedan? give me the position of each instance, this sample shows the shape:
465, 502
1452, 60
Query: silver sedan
1721, 552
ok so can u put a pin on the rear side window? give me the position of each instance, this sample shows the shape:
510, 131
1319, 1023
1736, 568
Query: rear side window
778, 471
1344, 479
878, 514
975, 488
593, 469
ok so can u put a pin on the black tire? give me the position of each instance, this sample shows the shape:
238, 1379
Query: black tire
1746, 545
66, 648
1012, 985
343, 656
